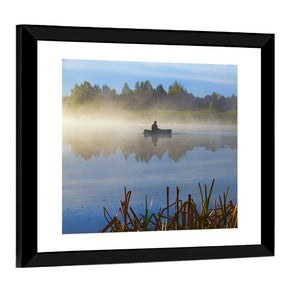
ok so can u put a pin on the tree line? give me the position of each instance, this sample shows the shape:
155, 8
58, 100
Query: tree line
145, 96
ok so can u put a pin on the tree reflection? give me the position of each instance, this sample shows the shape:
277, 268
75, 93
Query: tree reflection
87, 142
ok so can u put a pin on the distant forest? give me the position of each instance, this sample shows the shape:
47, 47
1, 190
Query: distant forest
145, 97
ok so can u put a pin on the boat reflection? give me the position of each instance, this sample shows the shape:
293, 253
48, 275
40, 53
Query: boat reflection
89, 141
155, 137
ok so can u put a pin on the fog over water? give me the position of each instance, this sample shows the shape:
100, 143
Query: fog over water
101, 158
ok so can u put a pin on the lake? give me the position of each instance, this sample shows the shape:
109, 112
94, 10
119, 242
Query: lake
99, 161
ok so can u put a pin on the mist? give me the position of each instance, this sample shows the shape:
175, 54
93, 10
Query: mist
113, 116
145, 104
105, 150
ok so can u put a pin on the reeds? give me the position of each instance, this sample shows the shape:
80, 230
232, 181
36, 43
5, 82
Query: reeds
222, 214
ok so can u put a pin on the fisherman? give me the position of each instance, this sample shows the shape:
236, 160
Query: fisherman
154, 126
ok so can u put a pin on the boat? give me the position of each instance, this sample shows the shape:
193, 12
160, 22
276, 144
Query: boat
158, 132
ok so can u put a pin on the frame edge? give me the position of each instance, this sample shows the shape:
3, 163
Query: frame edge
26, 156
268, 143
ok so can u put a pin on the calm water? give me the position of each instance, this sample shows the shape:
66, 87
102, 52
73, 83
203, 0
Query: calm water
98, 162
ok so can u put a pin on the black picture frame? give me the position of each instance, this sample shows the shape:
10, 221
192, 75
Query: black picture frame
26, 182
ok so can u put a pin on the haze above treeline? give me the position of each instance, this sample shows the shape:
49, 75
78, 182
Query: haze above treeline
145, 98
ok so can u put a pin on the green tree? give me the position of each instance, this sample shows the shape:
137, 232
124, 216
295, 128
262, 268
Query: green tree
142, 87
105, 90
148, 86
233, 97
160, 90
216, 96
176, 89
126, 90
97, 90
83, 92
113, 93
137, 87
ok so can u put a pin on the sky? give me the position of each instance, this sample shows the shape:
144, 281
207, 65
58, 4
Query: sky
199, 79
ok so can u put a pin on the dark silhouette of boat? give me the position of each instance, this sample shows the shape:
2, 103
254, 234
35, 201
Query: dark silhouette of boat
158, 132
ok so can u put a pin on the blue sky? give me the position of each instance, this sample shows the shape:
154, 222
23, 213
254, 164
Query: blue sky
199, 79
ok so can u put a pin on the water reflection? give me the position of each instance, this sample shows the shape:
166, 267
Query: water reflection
88, 141
98, 162
154, 138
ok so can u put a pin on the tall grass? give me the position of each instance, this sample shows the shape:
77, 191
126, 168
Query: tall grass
222, 214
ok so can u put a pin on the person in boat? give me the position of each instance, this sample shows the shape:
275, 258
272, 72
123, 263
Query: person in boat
154, 126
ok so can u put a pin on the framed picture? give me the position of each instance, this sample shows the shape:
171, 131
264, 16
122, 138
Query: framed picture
139, 145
